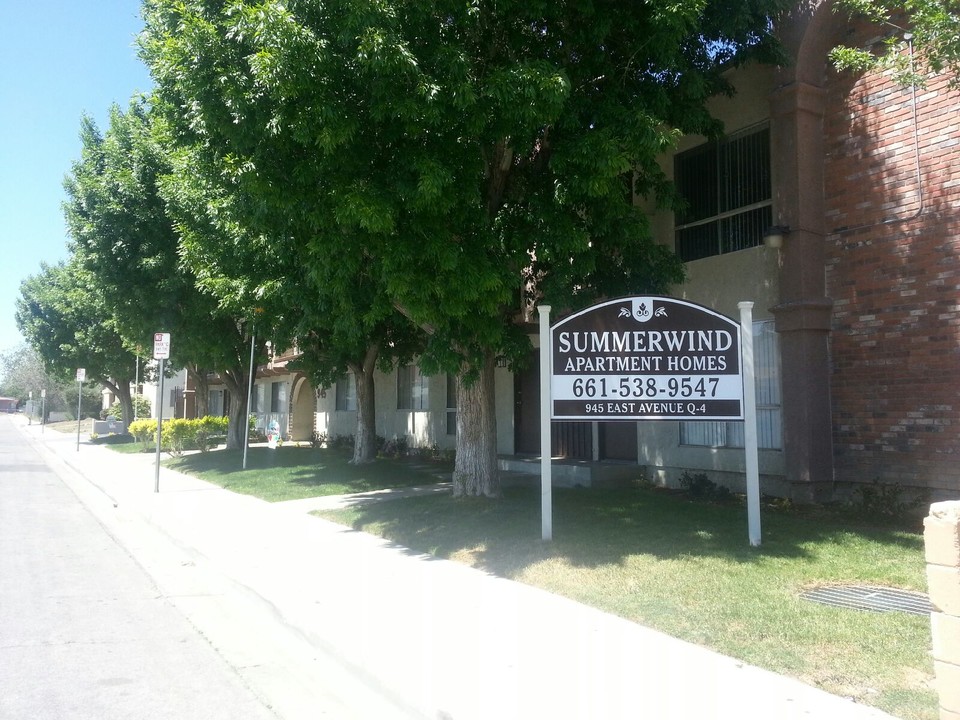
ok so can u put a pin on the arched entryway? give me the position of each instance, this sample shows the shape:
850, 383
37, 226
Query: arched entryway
303, 410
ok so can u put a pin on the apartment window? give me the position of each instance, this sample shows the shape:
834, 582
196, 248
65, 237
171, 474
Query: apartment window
215, 404
413, 391
347, 392
766, 351
258, 398
727, 189
451, 404
278, 397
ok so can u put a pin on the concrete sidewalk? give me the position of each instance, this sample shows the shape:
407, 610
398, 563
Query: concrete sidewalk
433, 639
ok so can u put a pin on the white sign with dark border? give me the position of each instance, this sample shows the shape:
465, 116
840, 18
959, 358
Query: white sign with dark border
161, 346
646, 358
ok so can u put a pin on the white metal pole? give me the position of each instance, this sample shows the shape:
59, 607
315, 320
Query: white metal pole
246, 427
156, 476
136, 387
546, 460
79, 397
750, 423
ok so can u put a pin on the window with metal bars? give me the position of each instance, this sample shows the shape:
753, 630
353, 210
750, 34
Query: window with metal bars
766, 354
726, 188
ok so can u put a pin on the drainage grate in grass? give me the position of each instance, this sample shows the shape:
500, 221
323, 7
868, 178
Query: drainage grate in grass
865, 597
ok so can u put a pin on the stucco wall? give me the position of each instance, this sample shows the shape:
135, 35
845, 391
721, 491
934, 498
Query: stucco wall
422, 428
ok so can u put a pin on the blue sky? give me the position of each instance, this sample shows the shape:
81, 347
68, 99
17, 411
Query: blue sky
58, 60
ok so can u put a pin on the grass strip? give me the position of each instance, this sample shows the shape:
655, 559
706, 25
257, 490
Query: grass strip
293, 473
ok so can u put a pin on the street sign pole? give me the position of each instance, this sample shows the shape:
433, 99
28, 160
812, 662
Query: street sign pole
161, 351
81, 376
43, 410
156, 476
246, 427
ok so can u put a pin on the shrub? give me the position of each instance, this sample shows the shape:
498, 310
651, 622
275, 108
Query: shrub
207, 430
179, 435
700, 487
886, 500
144, 431
395, 448
341, 442
140, 403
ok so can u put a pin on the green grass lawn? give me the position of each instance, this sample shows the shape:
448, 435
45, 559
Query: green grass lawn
687, 569
292, 473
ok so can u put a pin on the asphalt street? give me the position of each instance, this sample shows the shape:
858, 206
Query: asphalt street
84, 631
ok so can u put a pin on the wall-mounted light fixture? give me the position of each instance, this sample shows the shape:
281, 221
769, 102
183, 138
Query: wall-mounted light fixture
773, 236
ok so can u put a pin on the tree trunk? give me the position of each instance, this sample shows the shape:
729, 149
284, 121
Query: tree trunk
475, 472
365, 439
126, 401
121, 388
201, 390
236, 382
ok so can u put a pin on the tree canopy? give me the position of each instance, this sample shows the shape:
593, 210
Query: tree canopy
476, 157
925, 37
61, 313
123, 234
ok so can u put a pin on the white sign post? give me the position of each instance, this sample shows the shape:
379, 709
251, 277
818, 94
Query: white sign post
161, 351
648, 358
750, 442
546, 459
43, 410
81, 376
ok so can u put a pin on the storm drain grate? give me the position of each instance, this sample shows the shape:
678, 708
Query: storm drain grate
865, 597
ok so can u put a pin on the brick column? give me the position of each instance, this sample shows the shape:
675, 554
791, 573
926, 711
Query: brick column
941, 535
803, 314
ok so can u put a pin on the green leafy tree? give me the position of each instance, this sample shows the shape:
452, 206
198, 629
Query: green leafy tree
22, 371
122, 234
61, 313
338, 314
930, 40
463, 150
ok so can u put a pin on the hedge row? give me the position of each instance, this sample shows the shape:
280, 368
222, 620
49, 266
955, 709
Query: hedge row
180, 434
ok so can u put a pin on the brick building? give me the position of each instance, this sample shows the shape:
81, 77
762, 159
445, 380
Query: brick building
863, 293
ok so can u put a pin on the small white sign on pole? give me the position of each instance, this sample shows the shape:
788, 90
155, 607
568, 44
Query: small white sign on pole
161, 346
81, 374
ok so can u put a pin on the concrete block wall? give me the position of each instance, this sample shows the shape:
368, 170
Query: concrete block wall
892, 192
941, 535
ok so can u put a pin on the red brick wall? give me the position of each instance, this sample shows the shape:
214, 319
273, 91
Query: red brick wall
893, 271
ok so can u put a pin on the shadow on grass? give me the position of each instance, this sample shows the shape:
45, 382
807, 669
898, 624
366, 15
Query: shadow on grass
295, 472
594, 527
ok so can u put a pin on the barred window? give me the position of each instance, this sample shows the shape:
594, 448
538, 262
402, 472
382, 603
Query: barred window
766, 352
727, 189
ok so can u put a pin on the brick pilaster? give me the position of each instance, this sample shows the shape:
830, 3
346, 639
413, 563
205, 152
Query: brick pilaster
941, 535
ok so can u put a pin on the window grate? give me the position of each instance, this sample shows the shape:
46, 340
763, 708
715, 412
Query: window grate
870, 598
727, 189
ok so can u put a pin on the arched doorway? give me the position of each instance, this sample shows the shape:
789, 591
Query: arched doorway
304, 408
